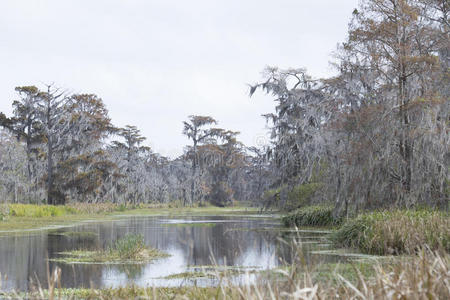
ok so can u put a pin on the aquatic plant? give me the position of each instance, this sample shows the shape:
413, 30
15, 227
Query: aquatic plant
129, 249
424, 276
319, 215
395, 232
39, 211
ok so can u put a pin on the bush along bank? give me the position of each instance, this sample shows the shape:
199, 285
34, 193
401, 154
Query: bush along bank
395, 232
318, 215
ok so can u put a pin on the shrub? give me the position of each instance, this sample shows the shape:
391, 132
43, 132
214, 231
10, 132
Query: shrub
301, 194
271, 197
298, 196
395, 232
4, 212
319, 215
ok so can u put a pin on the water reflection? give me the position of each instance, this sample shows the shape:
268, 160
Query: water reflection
194, 241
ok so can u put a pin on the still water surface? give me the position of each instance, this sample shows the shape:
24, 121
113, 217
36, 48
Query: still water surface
246, 241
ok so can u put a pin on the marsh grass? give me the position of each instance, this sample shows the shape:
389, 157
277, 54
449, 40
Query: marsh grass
423, 276
129, 250
103, 208
129, 247
395, 232
318, 215
98, 212
39, 211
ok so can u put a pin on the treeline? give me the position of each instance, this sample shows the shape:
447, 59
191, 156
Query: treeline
58, 148
375, 135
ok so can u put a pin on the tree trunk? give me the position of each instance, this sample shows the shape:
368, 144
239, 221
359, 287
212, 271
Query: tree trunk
50, 178
194, 168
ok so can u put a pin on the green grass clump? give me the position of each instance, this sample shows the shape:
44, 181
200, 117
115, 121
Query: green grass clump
39, 211
318, 215
395, 232
130, 249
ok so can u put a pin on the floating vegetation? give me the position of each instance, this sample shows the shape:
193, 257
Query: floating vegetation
211, 271
190, 224
318, 215
76, 234
342, 253
129, 250
189, 275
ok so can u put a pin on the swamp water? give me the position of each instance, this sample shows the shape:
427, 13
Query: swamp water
236, 243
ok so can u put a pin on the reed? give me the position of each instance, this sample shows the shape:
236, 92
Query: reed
396, 232
423, 276
318, 215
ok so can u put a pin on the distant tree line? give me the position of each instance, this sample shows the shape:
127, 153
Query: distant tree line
58, 148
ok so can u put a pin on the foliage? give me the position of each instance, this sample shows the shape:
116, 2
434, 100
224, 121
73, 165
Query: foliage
39, 211
375, 135
105, 207
396, 232
319, 215
219, 157
4, 212
301, 194
381, 124
271, 197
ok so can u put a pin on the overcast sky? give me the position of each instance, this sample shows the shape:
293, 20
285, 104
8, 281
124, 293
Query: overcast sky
154, 62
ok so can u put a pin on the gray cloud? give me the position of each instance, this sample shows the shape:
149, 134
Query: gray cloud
155, 62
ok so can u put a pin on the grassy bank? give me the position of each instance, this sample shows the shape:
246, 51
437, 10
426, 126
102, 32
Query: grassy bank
396, 232
319, 215
381, 232
23, 218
